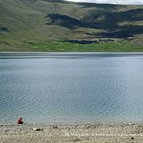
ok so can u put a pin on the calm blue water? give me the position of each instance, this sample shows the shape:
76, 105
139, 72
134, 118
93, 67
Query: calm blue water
71, 88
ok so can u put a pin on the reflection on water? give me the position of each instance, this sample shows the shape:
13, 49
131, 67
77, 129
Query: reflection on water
62, 88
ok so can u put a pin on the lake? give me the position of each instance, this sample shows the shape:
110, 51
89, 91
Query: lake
71, 87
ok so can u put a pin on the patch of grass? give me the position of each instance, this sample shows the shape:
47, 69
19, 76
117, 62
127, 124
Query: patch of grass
57, 46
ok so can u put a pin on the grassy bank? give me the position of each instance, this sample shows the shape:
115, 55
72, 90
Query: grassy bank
58, 46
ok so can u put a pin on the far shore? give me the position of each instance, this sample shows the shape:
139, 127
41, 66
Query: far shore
74, 53
86, 133
10, 55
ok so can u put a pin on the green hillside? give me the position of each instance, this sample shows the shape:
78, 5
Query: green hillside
56, 25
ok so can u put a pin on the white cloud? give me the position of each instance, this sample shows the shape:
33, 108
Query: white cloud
111, 1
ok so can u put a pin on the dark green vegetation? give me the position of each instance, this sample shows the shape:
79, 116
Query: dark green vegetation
56, 25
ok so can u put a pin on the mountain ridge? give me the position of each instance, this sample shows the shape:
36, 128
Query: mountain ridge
46, 25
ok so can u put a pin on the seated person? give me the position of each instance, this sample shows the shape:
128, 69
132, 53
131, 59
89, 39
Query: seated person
20, 121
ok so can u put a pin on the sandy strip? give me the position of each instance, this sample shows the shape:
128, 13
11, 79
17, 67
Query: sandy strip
97, 133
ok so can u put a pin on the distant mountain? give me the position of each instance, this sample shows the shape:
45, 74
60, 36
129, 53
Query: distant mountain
27, 25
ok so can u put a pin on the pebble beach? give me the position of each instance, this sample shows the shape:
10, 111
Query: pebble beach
89, 133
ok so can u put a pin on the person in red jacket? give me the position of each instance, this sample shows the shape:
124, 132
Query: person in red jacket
20, 121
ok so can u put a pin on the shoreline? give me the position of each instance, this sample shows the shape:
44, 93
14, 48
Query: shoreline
12, 55
87, 133
71, 53
76, 123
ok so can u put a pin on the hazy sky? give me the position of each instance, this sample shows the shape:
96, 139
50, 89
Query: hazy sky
111, 1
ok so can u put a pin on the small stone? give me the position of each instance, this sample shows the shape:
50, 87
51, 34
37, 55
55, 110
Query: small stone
131, 123
89, 126
54, 127
37, 129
